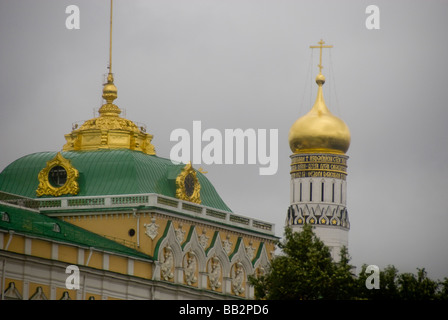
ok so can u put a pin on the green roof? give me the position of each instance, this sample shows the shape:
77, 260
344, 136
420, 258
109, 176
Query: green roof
36, 224
107, 172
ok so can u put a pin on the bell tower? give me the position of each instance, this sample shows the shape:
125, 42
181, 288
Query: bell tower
319, 142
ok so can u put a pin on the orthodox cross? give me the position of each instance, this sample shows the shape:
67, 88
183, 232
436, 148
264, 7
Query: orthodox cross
320, 46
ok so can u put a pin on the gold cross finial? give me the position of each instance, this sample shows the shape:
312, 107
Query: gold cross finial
321, 46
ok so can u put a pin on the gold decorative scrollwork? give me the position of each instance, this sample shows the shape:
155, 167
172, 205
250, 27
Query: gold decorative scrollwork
67, 175
187, 185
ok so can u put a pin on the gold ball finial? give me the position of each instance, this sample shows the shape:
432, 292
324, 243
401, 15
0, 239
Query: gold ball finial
320, 79
110, 90
110, 94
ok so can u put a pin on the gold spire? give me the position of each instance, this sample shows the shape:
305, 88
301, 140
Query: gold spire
110, 37
319, 131
110, 91
109, 130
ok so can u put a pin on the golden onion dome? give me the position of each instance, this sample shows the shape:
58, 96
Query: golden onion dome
319, 130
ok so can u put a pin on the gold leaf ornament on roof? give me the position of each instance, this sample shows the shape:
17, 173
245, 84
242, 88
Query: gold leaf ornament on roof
187, 185
58, 178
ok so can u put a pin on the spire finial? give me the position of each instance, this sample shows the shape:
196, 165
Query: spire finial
109, 130
109, 89
110, 38
321, 46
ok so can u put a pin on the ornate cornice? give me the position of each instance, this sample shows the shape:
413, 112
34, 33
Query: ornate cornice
335, 216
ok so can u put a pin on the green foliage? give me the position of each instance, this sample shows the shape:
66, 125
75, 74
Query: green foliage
388, 284
442, 292
405, 286
306, 271
418, 287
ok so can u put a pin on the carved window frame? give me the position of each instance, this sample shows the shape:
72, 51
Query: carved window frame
181, 192
70, 186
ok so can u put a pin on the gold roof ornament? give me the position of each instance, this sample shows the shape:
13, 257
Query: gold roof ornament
58, 178
109, 130
187, 185
319, 131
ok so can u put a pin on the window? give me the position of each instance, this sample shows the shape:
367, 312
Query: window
57, 176
189, 184
293, 191
5, 216
322, 194
311, 191
341, 192
332, 193
56, 228
300, 192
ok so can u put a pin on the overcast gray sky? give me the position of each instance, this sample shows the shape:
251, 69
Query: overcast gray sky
245, 64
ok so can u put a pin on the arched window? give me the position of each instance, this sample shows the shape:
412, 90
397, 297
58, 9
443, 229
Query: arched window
56, 228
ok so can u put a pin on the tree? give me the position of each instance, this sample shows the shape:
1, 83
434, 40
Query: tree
343, 281
405, 286
388, 284
418, 287
442, 292
305, 271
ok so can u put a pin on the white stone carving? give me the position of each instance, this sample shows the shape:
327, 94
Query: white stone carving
203, 239
190, 268
238, 278
152, 229
180, 234
250, 251
214, 275
227, 245
166, 269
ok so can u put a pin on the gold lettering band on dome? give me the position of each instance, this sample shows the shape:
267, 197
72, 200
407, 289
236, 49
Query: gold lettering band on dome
319, 174
319, 165
320, 159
